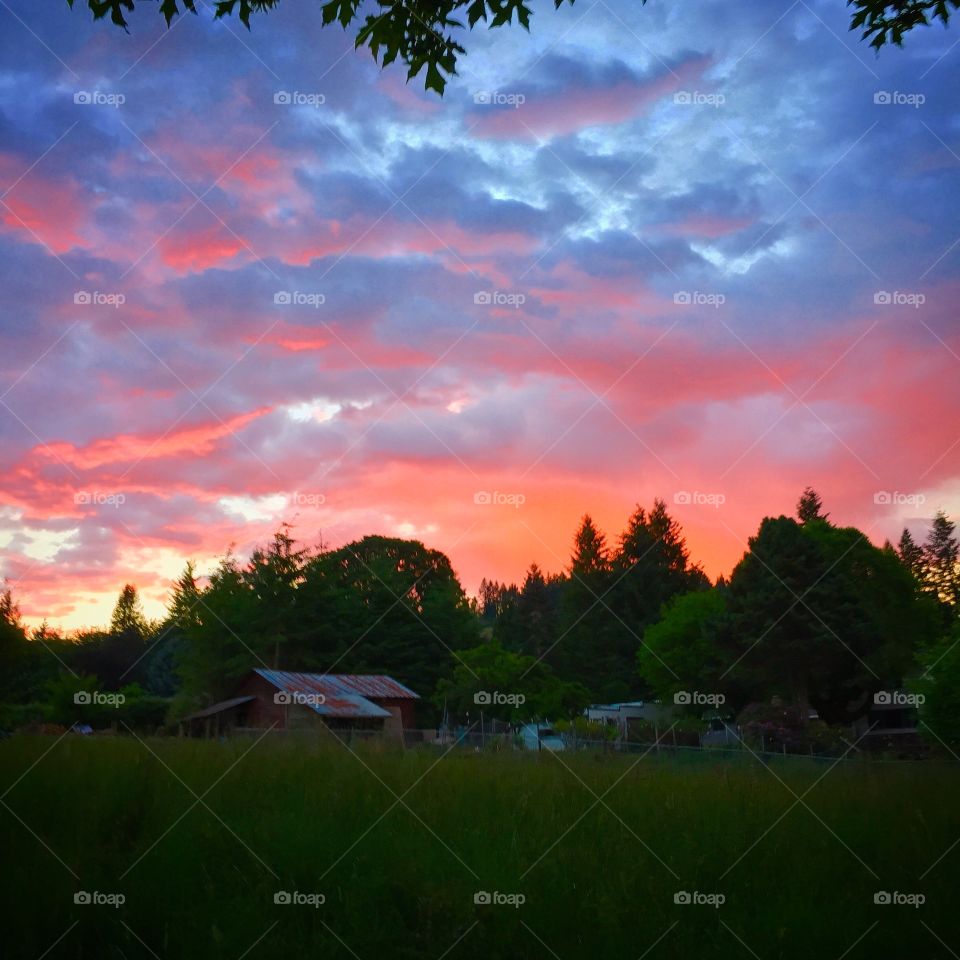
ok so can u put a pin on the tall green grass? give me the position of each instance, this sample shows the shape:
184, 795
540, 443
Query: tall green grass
399, 878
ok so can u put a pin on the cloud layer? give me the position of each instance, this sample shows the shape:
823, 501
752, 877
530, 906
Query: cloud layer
249, 279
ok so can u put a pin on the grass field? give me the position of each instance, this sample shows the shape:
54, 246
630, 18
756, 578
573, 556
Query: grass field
398, 843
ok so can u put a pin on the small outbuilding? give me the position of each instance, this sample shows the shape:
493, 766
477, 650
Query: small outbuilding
626, 716
289, 701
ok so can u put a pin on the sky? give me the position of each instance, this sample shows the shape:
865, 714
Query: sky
705, 252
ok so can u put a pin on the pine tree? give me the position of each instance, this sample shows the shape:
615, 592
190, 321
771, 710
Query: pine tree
636, 541
183, 607
810, 506
911, 554
670, 543
584, 650
591, 558
128, 613
9, 609
941, 555
14, 648
536, 612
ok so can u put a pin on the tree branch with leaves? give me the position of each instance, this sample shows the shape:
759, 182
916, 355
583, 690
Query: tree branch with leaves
422, 33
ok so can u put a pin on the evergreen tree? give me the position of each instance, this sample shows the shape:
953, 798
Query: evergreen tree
822, 617
496, 599
128, 613
535, 612
585, 649
9, 609
272, 576
941, 557
216, 648
183, 613
14, 648
183, 608
591, 558
911, 554
652, 567
810, 506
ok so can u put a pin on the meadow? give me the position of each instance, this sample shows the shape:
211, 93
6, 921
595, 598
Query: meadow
384, 851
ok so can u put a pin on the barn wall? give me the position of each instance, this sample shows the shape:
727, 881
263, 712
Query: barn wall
401, 710
262, 712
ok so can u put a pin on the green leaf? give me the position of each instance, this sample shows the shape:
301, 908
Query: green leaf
435, 80
476, 11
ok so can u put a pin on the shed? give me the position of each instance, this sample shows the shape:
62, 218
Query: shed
289, 701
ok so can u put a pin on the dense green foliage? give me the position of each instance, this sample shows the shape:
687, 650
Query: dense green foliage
378, 605
683, 650
32, 666
507, 686
587, 623
939, 684
813, 615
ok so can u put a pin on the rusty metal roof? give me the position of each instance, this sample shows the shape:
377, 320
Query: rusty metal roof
219, 708
333, 698
376, 686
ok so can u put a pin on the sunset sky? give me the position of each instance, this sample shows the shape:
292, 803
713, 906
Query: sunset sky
646, 251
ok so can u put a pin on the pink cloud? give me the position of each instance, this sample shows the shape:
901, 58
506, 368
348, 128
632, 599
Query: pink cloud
53, 212
548, 115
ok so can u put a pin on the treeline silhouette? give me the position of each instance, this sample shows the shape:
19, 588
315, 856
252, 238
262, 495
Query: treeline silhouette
813, 614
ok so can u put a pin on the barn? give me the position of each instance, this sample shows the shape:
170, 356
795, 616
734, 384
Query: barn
288, 701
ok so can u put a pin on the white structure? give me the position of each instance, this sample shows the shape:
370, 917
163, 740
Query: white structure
622, 714
541, 736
